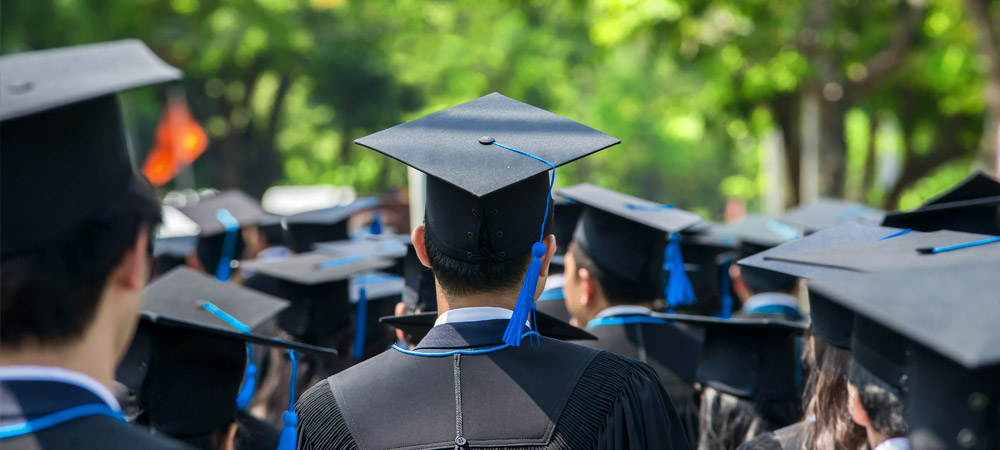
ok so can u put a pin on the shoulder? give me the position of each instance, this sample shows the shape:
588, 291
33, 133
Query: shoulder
97, 433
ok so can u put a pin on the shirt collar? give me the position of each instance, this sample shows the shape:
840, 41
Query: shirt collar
624, 310
473, 314
896, 443
771, 298
60, 375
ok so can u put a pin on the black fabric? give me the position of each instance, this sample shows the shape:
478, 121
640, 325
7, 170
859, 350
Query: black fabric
255, 434
881, 351
793, 437
672, 352
567, 214
419, 290
58, 167
594, 399
831, 321
555, 307
627, 249
21, 401
499, 226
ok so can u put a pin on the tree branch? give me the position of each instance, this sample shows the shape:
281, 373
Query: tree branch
885, 62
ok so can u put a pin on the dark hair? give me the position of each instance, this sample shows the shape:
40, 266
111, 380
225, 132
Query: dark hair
462, 278
827, 401
616, 289
213, 440
882, 402
759, 280
51, 292
725, 421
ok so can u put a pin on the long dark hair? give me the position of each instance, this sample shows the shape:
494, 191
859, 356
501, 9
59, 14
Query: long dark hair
826, 399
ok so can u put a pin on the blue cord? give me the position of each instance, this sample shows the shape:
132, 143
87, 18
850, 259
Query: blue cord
224, 270
725, 286
250, 372
606, 321
959, 246
59, 417
360, 325
462, 352
635, 207
337, 262
898, 233
552, 181
288, 439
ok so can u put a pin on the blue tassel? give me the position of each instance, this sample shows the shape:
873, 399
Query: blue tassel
679, 290
224, 270
360, 323
726, 286
249, 382
376, 227
290, 420
525, 306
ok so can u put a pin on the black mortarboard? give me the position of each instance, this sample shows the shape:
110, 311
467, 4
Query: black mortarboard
417, 325
973, 206
273, 227
374, 295
65, 152
567, 214
750, 358
187, 363
848, 233
755, 233
488, 185
626, 235
827, 212
385, 246
172, 252
419, 291
949, 313
219, 218
317, 284
908, 251
324, 225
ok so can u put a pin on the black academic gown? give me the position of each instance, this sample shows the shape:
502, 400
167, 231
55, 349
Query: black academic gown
671, 351
556, 395
21, 401
792, 437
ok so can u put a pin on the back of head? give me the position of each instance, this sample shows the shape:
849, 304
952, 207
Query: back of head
827, 403
760, 280
51, 291
725, 421
616, 289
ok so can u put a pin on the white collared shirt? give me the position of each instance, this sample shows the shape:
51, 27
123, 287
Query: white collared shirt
473, 314
60, 375
896, 443
771, 298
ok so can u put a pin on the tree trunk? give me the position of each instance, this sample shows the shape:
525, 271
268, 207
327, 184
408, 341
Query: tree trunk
786, 111
832, 148
871, 159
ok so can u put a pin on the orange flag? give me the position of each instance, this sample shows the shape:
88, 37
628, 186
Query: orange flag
179, 141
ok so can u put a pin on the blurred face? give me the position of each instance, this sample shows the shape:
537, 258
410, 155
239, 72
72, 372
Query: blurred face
574, 291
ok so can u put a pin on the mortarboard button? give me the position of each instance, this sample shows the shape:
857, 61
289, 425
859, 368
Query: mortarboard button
486, 140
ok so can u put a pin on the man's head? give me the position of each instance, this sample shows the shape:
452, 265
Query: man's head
589, 289
55, 292
749, 281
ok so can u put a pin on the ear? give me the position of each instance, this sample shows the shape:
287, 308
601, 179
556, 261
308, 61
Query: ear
417, 238
132, 270
588, 286
739, 286
400, 311
550, 251
858, 414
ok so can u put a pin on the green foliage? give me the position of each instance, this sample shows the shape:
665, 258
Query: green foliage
284, 86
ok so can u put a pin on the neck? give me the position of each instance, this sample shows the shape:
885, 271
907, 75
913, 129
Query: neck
91, 355
445, 302
874, 437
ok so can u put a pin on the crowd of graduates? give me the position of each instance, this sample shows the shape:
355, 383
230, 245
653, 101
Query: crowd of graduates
515, 315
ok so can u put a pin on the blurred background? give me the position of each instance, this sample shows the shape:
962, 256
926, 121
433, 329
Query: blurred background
762, 103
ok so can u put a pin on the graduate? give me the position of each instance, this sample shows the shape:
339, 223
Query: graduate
614, 271
223, 220
75, 244
482, 377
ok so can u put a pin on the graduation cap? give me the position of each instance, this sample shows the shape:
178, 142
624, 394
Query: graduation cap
324, 225
567, 214
753, 358
191, 352
972, 206
273, 227
707, 258
488, 185
417, 325
626, 236
755, 233
318, 286
171, 252
949, 314
65, 152
827, 212
387, 246
220, 218
374, 295
905, 251
848, 233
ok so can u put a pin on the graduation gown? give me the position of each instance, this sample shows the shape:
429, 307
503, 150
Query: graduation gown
671, 351
792, 437
23, 400
556, 395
